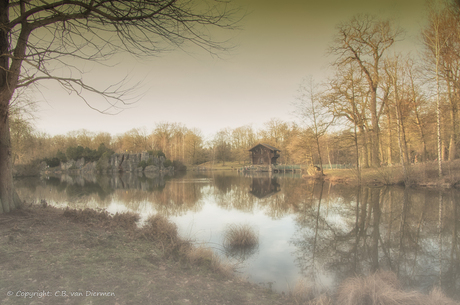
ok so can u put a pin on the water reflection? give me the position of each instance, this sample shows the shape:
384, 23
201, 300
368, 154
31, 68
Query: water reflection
263, 186
307, 229
411, 232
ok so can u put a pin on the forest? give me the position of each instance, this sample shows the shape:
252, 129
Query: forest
377, 107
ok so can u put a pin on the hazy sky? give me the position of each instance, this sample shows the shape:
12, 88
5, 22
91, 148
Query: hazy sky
278, 45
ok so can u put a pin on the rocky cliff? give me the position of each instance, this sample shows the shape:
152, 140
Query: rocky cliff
118, 163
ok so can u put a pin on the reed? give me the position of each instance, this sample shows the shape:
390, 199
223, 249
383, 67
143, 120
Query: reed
240, 236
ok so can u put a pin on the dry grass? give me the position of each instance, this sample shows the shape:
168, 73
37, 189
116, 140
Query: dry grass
44, 251
201, 255
303, 293
163, 233
240, 241
103, 218
240, 236
383, 288
422, 174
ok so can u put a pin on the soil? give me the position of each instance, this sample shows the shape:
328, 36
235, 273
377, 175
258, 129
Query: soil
53, 256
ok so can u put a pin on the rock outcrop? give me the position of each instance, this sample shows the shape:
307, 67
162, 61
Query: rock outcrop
119, 163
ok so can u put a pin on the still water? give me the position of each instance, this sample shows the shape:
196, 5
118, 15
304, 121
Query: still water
309, 231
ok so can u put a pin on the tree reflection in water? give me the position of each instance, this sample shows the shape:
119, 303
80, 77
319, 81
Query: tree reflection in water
334, 231
397, 229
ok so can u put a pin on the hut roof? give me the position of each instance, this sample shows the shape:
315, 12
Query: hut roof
267, 146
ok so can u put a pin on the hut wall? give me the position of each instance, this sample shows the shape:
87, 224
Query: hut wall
262, 156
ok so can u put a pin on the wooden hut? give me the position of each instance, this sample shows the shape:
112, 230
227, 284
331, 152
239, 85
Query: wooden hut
264, 154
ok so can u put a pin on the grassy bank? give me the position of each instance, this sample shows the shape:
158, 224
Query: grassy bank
51, 256
421, 174
233, 165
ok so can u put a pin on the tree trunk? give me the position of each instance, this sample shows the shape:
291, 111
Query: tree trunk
319, 155
8, 197
358, 165
454, 115
452, 148
422, 135
365, 153
375, 132
389, 158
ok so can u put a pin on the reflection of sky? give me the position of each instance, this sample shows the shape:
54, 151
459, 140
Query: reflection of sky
272, 263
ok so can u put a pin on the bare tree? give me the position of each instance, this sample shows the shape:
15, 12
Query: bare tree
364, 40
395, 78
42, 40
348, 99
313, 112
435, 41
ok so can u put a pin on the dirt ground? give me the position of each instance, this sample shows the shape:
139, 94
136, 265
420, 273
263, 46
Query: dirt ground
52, 256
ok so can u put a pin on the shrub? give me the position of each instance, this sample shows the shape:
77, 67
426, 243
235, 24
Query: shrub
142, 164
179, 166
167, 163
163, 232
91, 155
52, 162
61, 156
156, 153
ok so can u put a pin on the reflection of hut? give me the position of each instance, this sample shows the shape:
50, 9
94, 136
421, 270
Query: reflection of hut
264, 154
264, 187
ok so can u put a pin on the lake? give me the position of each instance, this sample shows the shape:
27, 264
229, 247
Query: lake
309, 231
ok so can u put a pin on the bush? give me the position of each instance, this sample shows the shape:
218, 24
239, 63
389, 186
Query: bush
52, 162
91, 155
179, 166
142, 164
156, 153
167, 163
61, 156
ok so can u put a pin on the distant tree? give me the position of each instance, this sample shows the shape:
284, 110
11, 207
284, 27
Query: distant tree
194, 151
276, 133
243, 138
39, 38
314, 113
222, 145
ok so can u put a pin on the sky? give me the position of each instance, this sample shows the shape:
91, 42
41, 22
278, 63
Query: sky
275, 49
